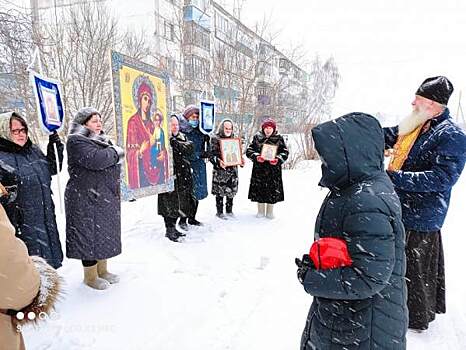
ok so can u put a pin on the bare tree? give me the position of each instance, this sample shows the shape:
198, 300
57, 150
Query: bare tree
79, 41
18, 39
75, 44
323, 83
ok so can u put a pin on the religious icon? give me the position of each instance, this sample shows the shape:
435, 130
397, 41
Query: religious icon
141, 96
269, 152
230, 150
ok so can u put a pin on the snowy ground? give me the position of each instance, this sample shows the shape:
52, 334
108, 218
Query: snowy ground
232, 285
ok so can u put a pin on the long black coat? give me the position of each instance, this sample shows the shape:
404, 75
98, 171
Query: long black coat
362, 306
181, 201
224, 181
33, 212
92, 196
266, 180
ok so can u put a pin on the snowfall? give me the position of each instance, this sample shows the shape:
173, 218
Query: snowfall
231, 285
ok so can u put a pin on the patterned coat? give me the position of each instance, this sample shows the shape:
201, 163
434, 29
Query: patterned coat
224, 181
92, 196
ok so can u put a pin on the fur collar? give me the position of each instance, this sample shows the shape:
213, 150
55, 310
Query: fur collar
50, 291
78, 129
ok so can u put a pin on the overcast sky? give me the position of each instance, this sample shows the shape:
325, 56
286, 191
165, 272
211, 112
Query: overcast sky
384, 49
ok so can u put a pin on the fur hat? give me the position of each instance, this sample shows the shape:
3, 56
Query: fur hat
190, 110
269, 122
84, 114
438, 89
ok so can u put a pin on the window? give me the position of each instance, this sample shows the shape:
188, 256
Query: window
196, 35
196, 68
222, 24
200, 4
264, 69
192, 13
168, 31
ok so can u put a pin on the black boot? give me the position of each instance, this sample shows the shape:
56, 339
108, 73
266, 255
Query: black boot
229, 207
173, 234
194, 222
219, 204
183, 224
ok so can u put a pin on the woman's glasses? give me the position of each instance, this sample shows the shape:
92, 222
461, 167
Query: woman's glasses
19, 131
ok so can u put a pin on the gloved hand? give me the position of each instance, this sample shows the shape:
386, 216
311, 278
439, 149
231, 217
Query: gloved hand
54, 138
303, 266
173, 141
10, 195
274, 161
205, 154
260, 159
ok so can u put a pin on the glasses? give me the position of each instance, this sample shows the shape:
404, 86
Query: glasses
19, 131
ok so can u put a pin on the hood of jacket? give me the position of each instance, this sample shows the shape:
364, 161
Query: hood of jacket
351, 149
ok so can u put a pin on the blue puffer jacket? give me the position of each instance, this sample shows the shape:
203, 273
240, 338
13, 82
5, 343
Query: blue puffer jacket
433, 166
362, 306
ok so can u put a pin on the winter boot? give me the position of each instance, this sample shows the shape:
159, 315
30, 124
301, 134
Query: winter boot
172, 234
260, 210
183, 224
194, 222
103, 272
219, 204
269, 214
229, 207
92, 279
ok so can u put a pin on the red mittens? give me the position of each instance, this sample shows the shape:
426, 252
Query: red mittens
330, 253
273, 161
260, 159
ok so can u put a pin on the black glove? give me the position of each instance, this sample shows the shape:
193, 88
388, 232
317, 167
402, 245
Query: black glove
54, 138
173, 141
303, 265
10, 197
205, 154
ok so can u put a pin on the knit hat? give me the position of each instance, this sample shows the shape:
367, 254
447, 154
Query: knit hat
269, 122
438, 89
190, 110
84, 114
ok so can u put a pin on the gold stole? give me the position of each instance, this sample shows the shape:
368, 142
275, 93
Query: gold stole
402, 148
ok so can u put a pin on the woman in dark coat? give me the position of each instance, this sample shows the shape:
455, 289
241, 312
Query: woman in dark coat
361, 305
189, 125
92, 198
181, 201
224, 179
266, 187
33, 212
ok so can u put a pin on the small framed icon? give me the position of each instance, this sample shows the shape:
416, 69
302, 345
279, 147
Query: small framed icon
230, 150
269, 152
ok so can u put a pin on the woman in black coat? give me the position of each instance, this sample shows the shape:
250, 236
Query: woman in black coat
180, 202
92, 198
266, 187
361, 305
33, 212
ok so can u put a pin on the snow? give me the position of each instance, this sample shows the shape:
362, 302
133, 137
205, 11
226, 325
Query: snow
232, 284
